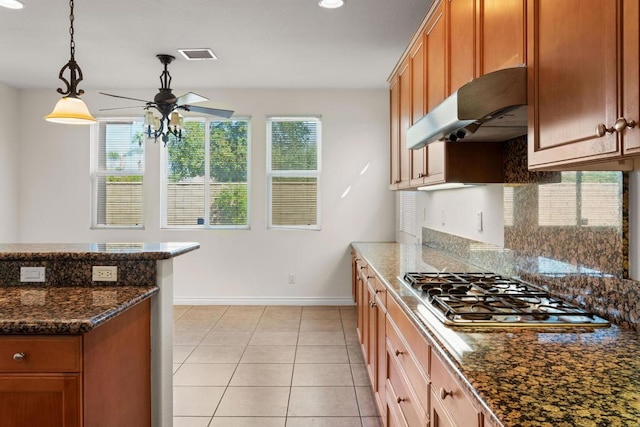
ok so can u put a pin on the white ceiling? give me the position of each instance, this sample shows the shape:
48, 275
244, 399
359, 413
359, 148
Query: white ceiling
259, 43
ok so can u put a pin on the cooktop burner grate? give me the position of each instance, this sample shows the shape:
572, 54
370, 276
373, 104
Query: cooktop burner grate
488, 299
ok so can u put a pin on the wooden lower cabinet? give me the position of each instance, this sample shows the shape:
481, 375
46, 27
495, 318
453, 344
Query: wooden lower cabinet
101, 378
449, 401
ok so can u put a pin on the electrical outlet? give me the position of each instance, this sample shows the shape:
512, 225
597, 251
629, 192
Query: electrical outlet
104, 273
442, 217
32, 274
292, 278
479, 220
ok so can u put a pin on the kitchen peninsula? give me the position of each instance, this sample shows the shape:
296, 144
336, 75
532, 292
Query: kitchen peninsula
73, 336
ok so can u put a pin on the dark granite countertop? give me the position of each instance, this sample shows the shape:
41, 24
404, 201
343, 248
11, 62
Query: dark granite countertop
520, 376
64, 310
88, 251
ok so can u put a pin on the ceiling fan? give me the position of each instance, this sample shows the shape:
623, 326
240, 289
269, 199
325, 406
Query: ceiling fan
168, 105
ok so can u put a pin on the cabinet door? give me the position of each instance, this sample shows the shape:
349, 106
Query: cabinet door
461, 33
404, 81
439, 417
502, 34
572, 74
394, 137
40, 400
418, 110
435, 49
631, 75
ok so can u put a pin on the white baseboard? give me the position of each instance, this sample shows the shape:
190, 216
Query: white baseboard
262, 301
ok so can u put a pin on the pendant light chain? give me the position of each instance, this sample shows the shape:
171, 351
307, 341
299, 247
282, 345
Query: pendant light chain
72, 44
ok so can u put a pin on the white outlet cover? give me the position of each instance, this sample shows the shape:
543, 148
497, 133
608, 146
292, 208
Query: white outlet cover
32, 274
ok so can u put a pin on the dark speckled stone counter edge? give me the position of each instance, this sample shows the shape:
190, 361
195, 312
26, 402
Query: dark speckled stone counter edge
90, 318
95, 251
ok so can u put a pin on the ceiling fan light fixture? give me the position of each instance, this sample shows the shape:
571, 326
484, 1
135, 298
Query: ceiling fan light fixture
11, 4
331, 4
71, 109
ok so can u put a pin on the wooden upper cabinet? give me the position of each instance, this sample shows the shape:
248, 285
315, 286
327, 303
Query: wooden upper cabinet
462, 35
501, 34
435, 42
394, 137
418, 106
573, 71
404, 81
631, 75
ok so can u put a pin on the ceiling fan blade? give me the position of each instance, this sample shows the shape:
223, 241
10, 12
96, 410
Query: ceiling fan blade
190, 98
124, 97
211, 111
121, 108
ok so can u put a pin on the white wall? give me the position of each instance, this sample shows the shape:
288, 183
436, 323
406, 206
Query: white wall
9, 141
231, 266
461, 207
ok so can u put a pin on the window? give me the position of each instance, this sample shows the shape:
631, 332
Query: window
117, 173
408, 213
293, 172
205, 176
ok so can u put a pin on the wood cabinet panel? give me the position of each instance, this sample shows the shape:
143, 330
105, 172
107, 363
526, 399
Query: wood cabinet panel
414, 340
502, 34
435, 48
631, 74
40, 353
448, 394
572, 73
404, 82
394, 137
40, 400
461, 32
418, 102
405, 397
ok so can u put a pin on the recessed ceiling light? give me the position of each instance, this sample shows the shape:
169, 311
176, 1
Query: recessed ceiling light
331, 4
198, 54
11, 4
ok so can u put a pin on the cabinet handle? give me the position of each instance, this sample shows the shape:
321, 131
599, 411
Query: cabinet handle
372, 304
602, 129
444, 393
398, 352
19, 356
378, 291
397, 181
401, 399
622, 123
362, 267
370, 277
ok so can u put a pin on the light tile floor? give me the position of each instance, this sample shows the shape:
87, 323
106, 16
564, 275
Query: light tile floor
269, 366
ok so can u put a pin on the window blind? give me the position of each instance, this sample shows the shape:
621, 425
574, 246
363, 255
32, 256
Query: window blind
294, 171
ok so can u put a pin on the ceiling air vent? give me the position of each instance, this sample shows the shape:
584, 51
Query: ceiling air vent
197, 54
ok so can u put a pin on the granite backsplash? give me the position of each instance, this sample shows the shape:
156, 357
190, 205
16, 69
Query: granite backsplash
569, 235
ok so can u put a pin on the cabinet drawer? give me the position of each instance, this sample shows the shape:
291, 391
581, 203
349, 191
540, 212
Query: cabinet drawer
450, 395
411, 335
393, 416
41, 353
397, 350
403, 396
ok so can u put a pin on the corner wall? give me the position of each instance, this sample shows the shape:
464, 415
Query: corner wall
232, 266
9, 141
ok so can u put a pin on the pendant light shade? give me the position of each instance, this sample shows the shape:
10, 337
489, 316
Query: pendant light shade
70, 109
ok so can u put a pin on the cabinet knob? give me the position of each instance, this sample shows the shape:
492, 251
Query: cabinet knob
378, 291
602, 129
372, 304
401, 399
398, 352
622, 123
444, 393
19, 356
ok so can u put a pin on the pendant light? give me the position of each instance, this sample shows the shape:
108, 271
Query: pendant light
70, 109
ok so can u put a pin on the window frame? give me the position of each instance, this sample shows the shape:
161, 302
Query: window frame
164, 179
294, 173
96, 173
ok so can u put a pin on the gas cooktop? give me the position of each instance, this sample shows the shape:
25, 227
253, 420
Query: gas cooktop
488, 299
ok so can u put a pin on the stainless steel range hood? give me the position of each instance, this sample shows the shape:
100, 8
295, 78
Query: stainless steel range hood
490, 108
